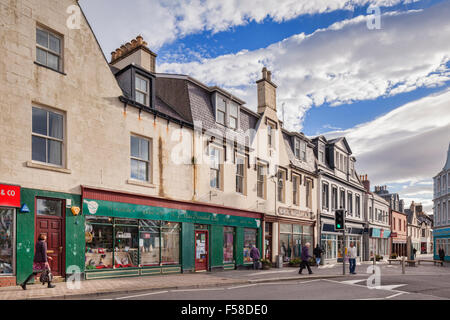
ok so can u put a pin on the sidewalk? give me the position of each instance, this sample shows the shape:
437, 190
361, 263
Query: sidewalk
197, 280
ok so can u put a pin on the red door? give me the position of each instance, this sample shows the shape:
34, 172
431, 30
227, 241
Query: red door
50, 221
201, 250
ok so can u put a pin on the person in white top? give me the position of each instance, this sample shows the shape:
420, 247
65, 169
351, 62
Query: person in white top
352, 254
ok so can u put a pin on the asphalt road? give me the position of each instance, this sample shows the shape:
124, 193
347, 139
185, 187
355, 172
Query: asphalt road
392, 287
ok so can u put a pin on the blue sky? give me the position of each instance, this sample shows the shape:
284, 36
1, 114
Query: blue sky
385, 89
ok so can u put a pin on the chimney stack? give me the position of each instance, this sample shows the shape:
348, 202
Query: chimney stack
135, 51
366, 183
267, 92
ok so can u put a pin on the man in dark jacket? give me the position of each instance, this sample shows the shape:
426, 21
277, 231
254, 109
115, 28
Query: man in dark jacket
441, 254
318, 254
254, 254
305, 259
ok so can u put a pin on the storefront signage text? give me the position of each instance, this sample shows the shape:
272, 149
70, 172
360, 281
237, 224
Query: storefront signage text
295, 213
9, 196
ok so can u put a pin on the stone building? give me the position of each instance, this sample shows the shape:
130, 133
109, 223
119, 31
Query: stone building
377, 238
441, 208
133, 172
339, 187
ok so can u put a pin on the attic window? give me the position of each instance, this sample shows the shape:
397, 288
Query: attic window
297, 147
48, 49
142, 92
221, 111
233, 119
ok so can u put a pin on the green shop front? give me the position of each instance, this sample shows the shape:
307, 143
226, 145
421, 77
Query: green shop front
133, 235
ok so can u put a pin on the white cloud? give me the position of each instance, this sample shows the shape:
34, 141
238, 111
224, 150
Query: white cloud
344, 63
405, 146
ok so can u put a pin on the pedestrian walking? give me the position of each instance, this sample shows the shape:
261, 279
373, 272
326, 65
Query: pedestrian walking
40, 262
441, 254
254, 254
305, 259
318, 254
352, 254
414, 253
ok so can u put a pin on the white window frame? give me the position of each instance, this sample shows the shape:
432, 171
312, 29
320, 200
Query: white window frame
219, 110
230, 115
48, 50
47, 137
146, 93
148, 161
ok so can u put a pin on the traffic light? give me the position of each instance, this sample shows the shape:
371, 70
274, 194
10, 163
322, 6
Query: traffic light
339, 220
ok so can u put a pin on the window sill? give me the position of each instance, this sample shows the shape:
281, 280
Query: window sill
47, 67
141, 183
35, 165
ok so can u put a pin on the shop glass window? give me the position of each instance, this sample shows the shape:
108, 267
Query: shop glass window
240, 174
170, 243
49, 207
214, 165
126, 247
140, 158
142, 90
285, 228
48, 49
99, 245
133, 222
249, 241
149, 243
47, 140
6, 241
286, 246
228, 244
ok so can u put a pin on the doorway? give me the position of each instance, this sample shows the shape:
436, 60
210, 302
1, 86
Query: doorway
201, 250
50, 221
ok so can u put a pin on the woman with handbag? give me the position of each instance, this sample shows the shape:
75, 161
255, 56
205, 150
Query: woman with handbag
40, 263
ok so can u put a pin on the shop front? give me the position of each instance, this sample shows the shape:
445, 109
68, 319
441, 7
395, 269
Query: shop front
378, 243
9, 204
130, 235
441, 238
332, 242
399, 244
293, 228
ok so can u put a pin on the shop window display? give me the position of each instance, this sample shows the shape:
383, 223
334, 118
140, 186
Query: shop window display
292, 238
126, 247
228, 244
149, 242
99, 245
170, 243
6, 240
249, 241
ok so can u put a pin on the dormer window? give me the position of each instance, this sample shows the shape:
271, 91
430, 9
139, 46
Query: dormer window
303, 151
227, 112
322, 154
142, 90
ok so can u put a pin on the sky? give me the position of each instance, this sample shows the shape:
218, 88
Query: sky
374, 71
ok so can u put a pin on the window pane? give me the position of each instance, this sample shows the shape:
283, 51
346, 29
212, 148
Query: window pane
221, 105
134, 169
234, 110
249, 241
143, 149
140, 97
41, 56
143, 172
126, 246
220, 117
55, 123
42, 37
228, 244
99, 244
54, 43
285, 228
297, 228
54, 149
6, 241
170, 243
39, 121
126, 221
134, 147
233, 123
49, 207
149, 246
38, 149
53, 61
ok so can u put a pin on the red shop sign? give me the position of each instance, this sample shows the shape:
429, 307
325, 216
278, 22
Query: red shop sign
9, 196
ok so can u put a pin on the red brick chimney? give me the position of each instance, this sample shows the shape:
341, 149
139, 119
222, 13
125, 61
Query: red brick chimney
365, 182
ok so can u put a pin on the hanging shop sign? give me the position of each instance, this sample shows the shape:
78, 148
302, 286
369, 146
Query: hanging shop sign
9, 196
